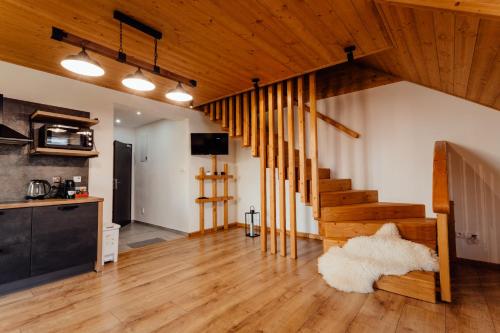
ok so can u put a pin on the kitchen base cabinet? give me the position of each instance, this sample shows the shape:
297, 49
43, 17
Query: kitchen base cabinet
15, 244
44, 240
62, 237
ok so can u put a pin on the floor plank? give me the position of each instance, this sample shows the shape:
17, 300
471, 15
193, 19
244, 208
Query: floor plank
223, 283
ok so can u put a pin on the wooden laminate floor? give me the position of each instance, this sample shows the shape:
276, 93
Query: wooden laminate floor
222, 282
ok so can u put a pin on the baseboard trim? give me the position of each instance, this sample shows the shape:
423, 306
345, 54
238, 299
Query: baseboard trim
211, 230
299, 234
485, 264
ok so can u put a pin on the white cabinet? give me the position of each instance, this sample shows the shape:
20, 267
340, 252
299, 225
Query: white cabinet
110, 243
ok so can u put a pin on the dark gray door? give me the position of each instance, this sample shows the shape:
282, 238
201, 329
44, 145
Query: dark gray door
122, 183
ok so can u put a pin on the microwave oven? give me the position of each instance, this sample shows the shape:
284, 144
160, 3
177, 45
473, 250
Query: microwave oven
66, 137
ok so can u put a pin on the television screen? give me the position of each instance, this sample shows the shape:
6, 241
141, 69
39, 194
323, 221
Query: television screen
209, 144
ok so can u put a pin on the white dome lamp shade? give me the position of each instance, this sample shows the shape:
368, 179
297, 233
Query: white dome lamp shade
82, 64
179, 94
138, 81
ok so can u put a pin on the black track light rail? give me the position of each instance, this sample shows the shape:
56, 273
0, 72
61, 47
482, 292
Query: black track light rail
130, 21
68, 38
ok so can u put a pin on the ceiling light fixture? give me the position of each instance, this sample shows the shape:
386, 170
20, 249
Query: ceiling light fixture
138, 81
118, 121
138, 113
82, 64
179, 94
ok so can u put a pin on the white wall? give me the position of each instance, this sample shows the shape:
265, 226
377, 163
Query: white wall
127, 135
399, 124
35, 86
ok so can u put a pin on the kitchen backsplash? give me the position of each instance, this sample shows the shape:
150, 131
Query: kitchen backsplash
17, 167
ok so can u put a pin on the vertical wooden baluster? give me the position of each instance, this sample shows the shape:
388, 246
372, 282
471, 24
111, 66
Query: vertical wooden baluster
218, 110
313, 142
444, 257
225, 121
272, 168
212, 111
302, 139
291, 169
238, 116
246, 121
202, 205
281, 168
255, 125
205, 109
226, 194
214, 194
263, 167
230, 112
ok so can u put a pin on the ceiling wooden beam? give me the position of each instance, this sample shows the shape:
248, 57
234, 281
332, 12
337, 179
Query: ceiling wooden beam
486, 8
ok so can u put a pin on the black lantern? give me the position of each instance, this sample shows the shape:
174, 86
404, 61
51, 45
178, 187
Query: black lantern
252, 220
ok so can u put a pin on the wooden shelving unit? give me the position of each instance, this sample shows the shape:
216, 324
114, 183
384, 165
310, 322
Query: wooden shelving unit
41, 116
214, 199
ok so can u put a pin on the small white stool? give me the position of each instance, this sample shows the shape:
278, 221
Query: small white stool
110, 243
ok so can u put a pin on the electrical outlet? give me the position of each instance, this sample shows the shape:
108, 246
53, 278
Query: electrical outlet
56, 179
77, 179
143, 211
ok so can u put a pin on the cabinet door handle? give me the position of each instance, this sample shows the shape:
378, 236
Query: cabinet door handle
68, 207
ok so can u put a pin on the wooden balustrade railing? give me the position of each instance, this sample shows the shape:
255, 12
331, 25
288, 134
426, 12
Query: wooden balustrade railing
441, 206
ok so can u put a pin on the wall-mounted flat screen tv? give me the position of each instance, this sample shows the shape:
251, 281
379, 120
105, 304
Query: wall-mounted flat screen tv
209, 144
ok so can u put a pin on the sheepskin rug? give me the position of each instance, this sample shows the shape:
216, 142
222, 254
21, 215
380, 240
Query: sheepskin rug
363, 260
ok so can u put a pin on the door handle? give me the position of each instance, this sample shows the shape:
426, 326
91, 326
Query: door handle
115, 183
69, 207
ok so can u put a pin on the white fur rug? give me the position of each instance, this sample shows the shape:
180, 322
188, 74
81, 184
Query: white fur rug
363, 260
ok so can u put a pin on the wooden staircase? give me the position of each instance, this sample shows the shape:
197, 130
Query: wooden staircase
341, 211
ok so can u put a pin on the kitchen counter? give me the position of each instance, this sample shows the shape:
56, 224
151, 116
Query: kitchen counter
8, 217
47, 202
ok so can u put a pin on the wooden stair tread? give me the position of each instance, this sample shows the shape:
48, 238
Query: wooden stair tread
349, 197
331, 185
419, 230
416, 284
372, 211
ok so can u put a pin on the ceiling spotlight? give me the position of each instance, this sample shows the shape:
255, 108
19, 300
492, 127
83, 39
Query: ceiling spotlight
118, 121
179, 94
138, 81
138, 113
82, 64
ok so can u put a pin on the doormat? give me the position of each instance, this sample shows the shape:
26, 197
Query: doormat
146, 242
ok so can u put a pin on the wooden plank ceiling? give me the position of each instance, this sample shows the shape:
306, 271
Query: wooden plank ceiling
446, 45
221, 44
456, 52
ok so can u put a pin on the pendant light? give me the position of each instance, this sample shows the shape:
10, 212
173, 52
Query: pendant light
138, 81
179, 94
82, 64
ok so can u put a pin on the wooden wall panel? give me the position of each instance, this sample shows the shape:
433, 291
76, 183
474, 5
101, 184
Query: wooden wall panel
272, 167
254, 123
313, 142
302, 138
246, 121
230, 116
291, 167
263, 169
281, 167
224, 114
238, 116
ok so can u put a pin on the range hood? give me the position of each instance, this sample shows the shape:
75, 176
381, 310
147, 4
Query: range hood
9, 136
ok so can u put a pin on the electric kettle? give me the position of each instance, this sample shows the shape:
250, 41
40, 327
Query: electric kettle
38, 189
